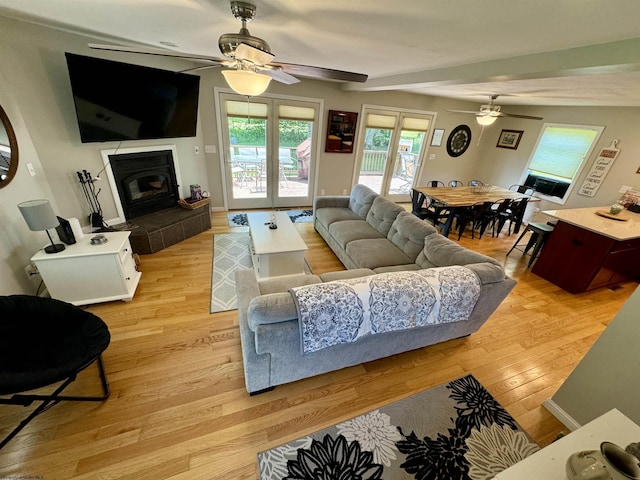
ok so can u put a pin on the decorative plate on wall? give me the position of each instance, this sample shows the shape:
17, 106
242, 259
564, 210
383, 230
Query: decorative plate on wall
459, 140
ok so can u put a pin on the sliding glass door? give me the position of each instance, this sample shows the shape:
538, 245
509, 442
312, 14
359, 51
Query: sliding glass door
391, 150
269, 151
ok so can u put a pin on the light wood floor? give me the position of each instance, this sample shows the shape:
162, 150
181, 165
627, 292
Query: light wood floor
178, 407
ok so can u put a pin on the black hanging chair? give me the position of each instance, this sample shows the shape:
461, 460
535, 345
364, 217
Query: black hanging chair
43, 342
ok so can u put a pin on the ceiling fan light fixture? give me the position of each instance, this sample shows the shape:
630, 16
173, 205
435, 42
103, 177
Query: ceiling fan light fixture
486, 120
246, 82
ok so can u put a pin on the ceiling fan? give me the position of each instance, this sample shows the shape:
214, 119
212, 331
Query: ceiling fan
491, 112
248, 61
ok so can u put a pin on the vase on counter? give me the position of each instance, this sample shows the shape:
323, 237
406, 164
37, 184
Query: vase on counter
616, 208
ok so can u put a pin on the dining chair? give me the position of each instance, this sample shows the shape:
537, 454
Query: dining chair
522, 189
513, 214
442, 215
435, 183
239, 173
493, 214
456, 183
471, 215
426, 209
418, 207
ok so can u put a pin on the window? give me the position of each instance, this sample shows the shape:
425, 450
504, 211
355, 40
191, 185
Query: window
558, 158
269, 150
390, 149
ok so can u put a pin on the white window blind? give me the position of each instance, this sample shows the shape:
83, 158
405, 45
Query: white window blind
415, 124
246, 109
384, 122
290, 112
561, 151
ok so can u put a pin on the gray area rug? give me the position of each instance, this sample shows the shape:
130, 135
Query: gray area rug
230, 253
296, 216
454, 431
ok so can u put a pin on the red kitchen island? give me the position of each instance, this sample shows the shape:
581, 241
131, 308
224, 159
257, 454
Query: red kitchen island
587, 250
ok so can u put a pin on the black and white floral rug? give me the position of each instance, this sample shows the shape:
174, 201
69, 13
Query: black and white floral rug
454, 431
296, 216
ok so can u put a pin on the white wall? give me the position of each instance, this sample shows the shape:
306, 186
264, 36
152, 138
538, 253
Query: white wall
35, 92
17, 242
504, 165
609, 374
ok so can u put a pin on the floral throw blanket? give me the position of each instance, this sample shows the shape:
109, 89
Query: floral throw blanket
343, 311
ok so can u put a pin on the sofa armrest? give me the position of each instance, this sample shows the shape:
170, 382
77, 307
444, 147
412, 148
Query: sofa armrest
331, 201
271, 308
346, 274
487, 272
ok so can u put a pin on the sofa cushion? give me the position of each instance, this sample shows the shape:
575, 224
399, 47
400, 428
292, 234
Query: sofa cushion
408, 233
327, 216
375, 252
382, 214
361, 199
348, 230
439, 251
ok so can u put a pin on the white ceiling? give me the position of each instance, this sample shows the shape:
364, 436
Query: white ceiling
531, 52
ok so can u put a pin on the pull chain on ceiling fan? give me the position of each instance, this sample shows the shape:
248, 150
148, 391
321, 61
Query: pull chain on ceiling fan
488, 114
248, 61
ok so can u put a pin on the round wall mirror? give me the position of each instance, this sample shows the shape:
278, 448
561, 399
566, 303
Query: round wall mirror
8, 150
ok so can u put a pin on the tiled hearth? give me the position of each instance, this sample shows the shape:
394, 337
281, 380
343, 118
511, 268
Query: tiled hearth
152, 232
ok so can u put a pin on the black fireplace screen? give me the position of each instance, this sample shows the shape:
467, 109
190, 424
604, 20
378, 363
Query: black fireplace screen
146, 182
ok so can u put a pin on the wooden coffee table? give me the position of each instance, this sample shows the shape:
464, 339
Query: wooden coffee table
275, 252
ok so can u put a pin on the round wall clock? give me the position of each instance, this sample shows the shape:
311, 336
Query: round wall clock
459, 140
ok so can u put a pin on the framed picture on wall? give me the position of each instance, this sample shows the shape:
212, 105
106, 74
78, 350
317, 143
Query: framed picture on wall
341, 132
509, 139
436, 140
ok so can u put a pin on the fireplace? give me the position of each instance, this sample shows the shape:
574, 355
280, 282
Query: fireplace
146, 182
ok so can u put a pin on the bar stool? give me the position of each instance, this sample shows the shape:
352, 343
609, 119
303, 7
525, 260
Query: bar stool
539, 234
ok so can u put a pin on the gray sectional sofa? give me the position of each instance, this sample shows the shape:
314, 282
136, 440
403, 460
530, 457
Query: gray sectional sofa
372, 237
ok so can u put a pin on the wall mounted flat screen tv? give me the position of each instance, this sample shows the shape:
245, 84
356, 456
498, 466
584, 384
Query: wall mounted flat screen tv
120, 101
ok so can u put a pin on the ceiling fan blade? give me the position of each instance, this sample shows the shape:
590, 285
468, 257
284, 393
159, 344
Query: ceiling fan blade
159, 52
253, 55
322, 73
278, 75
466, 112
496, 114
201, 67
515, 115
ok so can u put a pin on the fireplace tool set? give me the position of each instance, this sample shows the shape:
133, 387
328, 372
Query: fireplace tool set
87, 182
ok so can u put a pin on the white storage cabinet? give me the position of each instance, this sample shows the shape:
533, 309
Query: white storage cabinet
84, 273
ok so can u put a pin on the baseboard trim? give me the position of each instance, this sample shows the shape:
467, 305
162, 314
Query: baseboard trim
566, 419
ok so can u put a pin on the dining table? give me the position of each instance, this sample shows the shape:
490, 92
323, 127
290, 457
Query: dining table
453, 198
